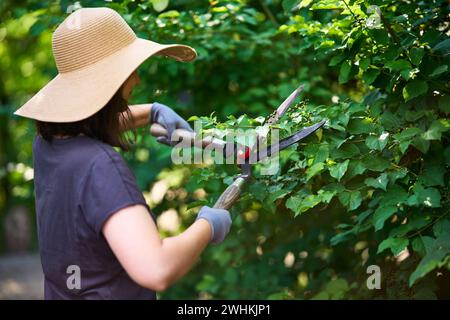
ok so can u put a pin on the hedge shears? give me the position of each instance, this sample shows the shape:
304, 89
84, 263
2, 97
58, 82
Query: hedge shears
248, 155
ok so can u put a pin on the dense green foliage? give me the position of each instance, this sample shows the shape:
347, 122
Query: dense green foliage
369, 188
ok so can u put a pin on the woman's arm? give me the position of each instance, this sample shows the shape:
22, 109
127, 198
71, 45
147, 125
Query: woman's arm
150, 261
144, 114
140, 116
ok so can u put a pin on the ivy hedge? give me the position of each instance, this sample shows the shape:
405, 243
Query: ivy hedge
370, 188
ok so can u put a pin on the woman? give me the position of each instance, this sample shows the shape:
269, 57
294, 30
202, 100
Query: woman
97, 238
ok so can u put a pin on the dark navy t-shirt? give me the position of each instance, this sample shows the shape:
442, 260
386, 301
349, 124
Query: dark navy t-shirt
79, 183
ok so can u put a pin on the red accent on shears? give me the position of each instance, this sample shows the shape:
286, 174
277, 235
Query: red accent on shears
244, 153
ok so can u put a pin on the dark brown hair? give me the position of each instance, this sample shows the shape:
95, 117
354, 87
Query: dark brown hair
106, 125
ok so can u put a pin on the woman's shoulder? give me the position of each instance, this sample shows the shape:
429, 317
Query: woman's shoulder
102, 153
107, 169
78, 151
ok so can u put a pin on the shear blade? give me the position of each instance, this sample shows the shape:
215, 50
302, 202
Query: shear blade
281, 110
286, 142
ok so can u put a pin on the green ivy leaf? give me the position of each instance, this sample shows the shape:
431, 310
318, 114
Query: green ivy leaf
304, 3
444, 103
397, 245
159, 5
372, 142
169, 14
258, 191
334, 188
341, 237
344, 73
405, 138
337, 59
414, 89
408, 73
380, 36
441, 227
358, 126
442, 47
193, 118
326, 5
37, 28
299, 204
381, 215
390, 54
416, 55
377, 143
428, 197
390, 121
413, 116
380, 182
436, 129
294, 203
322, 154
351, 200
308, 202
355, 108
376, 163
326, 196
422, 244
436, 256
370, 75
433, 175
271, 196
355, 168
421, 144
397, 174
346, 151
394, 196
338, 170
277, 195
314, 170
398, 65
439, 70
363, 216
364, 63
413, 224
289, 5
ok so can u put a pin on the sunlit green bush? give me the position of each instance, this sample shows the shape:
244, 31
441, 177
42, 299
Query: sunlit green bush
370, 188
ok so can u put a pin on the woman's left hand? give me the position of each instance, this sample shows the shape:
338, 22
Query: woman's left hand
169, 119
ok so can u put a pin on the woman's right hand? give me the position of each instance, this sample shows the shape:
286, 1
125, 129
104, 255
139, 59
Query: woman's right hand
219, 220
169, 119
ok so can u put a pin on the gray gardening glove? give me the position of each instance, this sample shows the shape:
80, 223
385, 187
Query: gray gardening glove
219, 220
169, 119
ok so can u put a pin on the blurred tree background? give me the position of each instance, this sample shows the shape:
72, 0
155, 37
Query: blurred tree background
370, 188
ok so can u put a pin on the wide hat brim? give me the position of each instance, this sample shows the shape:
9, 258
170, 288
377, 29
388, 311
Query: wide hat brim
76, 95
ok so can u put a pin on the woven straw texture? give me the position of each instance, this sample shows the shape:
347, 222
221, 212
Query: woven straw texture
95, 51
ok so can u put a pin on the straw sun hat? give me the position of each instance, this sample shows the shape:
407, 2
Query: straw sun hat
95, 52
